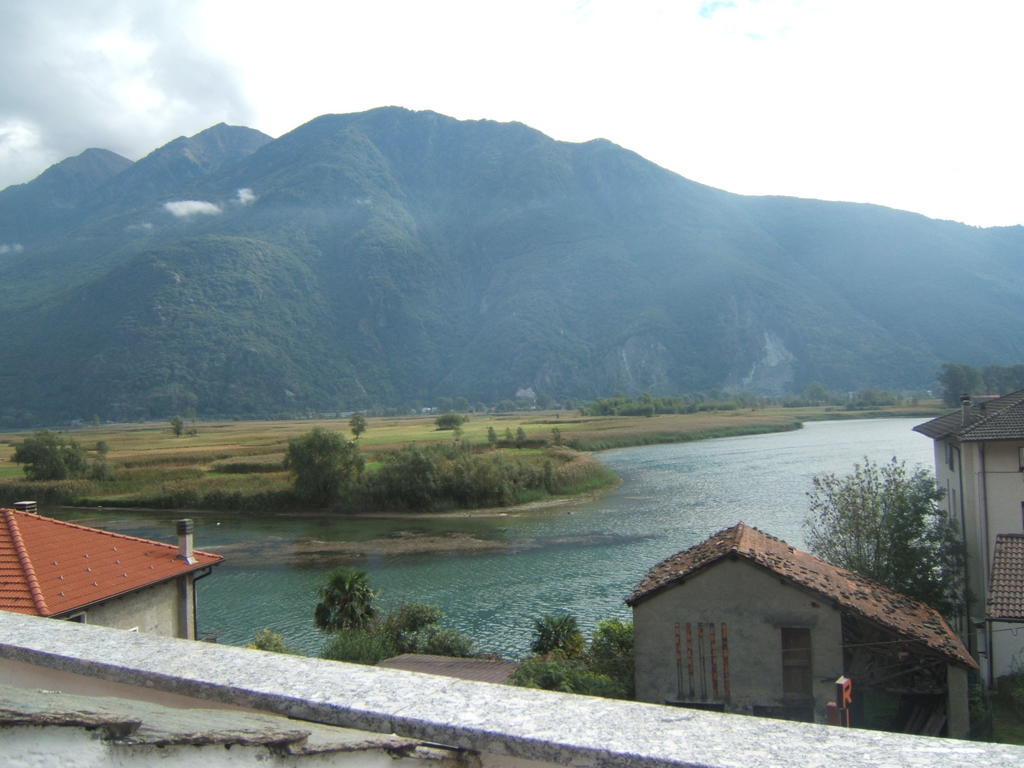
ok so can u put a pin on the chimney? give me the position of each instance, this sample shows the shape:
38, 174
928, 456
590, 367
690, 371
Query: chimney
185, 529
965, 404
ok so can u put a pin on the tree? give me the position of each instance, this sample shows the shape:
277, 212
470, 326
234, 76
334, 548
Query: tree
346, 601
492, 437
449, 421
324, 465
610, 653
885, 523
557, 632
605, 668
520, 437
357, 424
177, 426
958, 379
48, 456
414, 628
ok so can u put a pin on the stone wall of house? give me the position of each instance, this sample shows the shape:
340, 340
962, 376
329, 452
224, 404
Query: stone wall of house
755, 606
154, 610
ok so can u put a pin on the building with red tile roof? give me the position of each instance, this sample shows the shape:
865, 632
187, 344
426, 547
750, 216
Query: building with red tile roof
979, 463
63, 570
745, 622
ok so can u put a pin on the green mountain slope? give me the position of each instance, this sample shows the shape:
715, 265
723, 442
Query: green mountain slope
391, 256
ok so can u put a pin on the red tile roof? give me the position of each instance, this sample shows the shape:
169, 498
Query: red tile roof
1006, 590
49, 567
896, 612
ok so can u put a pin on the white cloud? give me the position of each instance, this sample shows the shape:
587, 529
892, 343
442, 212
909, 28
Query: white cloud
246, 196
186, 208
6, 248
145, 226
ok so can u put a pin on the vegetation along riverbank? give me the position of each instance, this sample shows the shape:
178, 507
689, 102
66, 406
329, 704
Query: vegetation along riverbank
409, 464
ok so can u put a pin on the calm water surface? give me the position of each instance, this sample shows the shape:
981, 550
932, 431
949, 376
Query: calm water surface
584, 557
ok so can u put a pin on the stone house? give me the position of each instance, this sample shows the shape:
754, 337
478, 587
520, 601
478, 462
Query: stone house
744, 622
979, 462
66, 571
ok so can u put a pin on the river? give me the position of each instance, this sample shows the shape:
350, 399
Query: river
582, 557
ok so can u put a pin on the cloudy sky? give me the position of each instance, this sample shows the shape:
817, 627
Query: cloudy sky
914, 104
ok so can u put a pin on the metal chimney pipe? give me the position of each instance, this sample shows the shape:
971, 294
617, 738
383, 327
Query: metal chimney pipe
185, 528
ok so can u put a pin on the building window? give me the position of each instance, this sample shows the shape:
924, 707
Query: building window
950, 458
77, 617
796, 662
1020, 458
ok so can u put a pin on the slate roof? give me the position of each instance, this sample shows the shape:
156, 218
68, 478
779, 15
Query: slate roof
1006, 590
998, 419
482, 670
49, 567
853, 593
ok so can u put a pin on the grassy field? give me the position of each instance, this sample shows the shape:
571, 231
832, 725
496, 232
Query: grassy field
228, 461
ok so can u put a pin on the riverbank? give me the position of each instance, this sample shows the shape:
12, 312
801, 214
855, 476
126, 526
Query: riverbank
239, 465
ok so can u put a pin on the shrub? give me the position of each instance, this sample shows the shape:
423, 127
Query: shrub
558, 632
566, 675
358, 646
268, 640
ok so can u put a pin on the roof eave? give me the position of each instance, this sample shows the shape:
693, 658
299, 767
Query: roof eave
136, 588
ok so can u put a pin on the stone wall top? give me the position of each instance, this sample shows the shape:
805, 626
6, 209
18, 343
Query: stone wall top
492, 719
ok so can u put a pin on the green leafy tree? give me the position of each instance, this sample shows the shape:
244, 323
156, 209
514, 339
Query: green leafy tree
610, 653
177, 426
492, 437
884, 522
346, 601
415, 628
449, 421
557, 632
49, 456
520, 437
357, 424
958, 379
324, 465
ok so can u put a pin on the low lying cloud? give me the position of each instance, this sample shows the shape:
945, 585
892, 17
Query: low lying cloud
145, 226
6, 248
185, 208
246, 196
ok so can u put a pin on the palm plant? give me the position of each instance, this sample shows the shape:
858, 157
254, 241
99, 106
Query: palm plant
346, 601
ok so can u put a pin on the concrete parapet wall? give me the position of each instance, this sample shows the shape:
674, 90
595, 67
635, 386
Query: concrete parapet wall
504, 725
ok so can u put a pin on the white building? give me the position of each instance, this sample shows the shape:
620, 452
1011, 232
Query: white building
979, 462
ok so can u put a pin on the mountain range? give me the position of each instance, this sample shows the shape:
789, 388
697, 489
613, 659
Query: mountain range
392, 257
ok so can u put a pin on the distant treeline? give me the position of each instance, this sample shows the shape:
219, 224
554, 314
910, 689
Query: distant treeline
960, 379
814, 394
646, 405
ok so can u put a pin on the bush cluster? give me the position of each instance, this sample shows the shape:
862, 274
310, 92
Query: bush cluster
564, 663
452, 475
